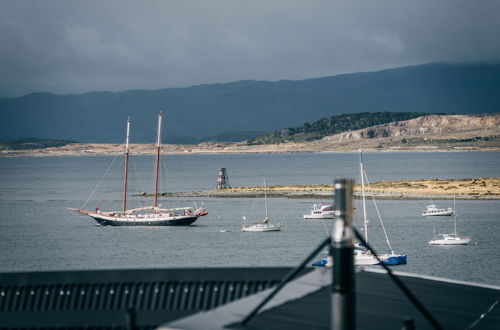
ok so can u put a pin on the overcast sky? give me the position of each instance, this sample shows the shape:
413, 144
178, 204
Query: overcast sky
79, 46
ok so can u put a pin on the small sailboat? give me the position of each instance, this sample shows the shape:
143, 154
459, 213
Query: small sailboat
387, 258
450, 239
144, 216
264, 225
363, 256
432, 210
321, 211
220, 228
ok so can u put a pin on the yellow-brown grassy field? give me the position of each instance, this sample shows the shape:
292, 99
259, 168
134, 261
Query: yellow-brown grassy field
480, 187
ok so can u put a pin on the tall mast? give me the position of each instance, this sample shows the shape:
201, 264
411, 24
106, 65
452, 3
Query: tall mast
125, 176
157, 164
362, 172
265, 195
454, 216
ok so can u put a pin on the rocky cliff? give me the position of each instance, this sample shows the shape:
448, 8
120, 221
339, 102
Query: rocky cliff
426, 127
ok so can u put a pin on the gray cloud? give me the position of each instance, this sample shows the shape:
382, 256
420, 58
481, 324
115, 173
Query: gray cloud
78, 46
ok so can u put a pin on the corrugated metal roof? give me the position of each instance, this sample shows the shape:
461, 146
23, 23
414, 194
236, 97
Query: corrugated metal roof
104, 298
305, 304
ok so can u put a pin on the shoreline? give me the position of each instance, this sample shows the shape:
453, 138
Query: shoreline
462, 189
387, 196
75, 150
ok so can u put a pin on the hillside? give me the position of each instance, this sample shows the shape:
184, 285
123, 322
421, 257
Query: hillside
241, 109
333, 125
32, 143
426, 133
431, 129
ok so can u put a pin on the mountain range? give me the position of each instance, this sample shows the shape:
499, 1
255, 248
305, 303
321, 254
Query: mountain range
245, 109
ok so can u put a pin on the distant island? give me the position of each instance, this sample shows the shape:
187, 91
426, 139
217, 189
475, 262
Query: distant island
471, 188
423, 133
30, 143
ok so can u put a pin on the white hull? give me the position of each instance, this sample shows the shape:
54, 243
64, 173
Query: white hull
432, 210
457, 241
256, 228
318, 216
443, 213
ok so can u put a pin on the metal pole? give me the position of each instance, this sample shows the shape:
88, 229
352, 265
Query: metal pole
343, 298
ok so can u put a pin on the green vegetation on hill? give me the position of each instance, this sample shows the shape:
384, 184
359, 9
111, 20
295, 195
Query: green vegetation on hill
32, 143
333, 125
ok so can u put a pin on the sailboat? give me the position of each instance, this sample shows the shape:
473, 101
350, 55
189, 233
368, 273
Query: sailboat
264, 225
144, 216
363, 256
450, 239
388, 258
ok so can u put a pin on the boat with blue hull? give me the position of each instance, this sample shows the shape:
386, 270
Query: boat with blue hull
363, 256
144, 216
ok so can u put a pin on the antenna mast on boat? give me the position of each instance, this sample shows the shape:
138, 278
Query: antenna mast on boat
265, 195
157, 164
362, 172
125, 176
454, 216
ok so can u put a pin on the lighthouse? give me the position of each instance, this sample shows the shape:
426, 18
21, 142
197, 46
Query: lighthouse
222, 179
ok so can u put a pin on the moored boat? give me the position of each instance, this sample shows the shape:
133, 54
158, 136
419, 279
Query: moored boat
432, 210
450, 239
363, 256
320, 211
144, 216
261, 226
264, 225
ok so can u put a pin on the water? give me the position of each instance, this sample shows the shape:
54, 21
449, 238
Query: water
38, 233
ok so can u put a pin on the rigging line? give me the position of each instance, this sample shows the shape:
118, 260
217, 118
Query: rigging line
133, 174
324, 226
413, 299
254, 201
172, 184
98, 183
482, 316
378, 213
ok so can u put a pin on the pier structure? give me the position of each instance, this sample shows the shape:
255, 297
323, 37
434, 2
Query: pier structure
223, 179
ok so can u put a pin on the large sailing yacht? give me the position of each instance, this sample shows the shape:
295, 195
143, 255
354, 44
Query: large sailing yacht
144, 216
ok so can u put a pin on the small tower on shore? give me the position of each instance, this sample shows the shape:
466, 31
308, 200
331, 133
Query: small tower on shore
223, 179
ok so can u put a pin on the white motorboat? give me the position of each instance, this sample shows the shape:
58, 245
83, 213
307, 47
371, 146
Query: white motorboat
264, 225
432, 210
320, 211
144, 216
450, 239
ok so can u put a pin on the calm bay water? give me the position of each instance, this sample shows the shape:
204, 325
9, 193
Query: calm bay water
38, 233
